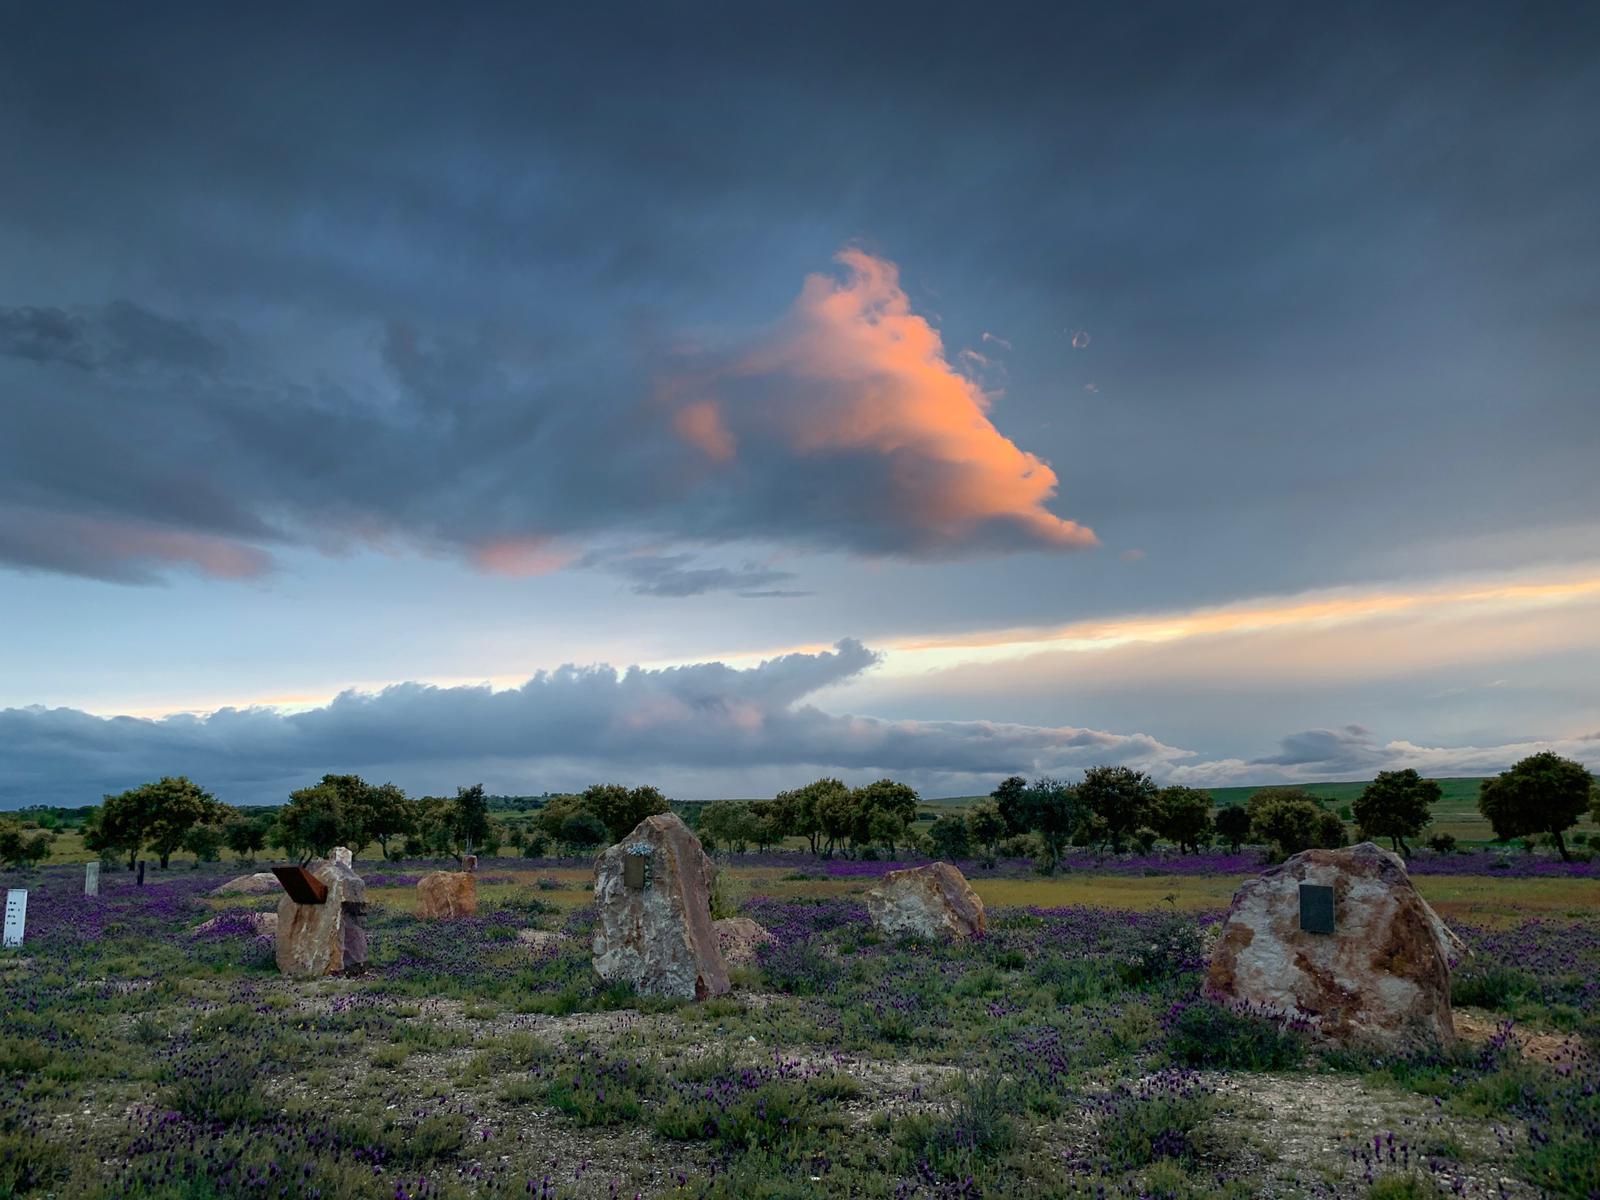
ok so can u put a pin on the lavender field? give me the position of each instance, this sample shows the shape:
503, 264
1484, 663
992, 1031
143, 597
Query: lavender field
1067, 1053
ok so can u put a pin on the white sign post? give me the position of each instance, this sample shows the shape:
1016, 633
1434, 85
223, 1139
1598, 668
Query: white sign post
91, 879
16, 915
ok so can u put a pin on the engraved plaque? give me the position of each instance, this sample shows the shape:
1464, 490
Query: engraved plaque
303, 887
16, 915
1316, 908
633, 871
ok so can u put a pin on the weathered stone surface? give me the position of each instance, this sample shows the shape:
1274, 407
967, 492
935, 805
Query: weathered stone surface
445, 894
738, 938
263, 883
250, 924
658, 937
1382, 978
327, 938
343, 856
934, 902
543, 939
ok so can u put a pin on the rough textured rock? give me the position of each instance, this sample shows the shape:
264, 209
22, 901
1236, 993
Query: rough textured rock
934, 902
263, 883
658, 937
445, 894
1382, 978
255, 924
738, 938
542, 939
327, 938
343, 856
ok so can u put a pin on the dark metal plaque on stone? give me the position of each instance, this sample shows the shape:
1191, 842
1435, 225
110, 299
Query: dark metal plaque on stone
303, 887
1316, 908
633, 871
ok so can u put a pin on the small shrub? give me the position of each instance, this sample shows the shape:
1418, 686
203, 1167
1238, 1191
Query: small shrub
977, 1129
1491, 986
1158, 1118
599, 1091
390, 1056
1203, 1033
1411, 1186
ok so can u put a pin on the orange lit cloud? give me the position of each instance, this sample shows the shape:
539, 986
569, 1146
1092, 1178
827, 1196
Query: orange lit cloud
1302, 614
700, 424
853, 392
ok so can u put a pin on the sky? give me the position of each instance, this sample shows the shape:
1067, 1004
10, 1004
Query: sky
724, 395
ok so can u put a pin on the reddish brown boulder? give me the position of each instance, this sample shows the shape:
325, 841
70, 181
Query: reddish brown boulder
934, 902
1381, 978
653, 929
446, 894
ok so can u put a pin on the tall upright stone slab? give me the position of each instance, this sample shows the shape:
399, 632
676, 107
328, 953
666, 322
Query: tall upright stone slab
327, 936
1342, 939
91, 879
653, 926
934, 902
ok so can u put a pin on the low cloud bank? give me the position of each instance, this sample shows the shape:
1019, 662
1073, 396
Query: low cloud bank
701, 730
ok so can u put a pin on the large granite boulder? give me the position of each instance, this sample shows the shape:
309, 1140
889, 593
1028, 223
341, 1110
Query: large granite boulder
1381, 978
739, 938
328, 938
934, 902
446, 894
262, 883
653, 919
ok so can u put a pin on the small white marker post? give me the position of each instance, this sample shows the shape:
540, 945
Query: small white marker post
91, 879
16, 915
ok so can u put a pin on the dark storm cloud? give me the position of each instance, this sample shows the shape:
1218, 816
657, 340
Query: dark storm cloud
116, 336
706, 716
1333, 751
1322, 254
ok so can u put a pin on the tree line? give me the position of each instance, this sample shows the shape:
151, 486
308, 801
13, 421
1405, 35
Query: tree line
1112, 808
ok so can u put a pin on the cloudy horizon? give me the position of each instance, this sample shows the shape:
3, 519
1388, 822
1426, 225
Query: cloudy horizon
880, 392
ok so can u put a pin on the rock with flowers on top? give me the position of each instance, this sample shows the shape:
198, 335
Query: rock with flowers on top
1381, 978
239, 924
739, 938
329, 938
653, 925
262, 883
445, 894
934, 902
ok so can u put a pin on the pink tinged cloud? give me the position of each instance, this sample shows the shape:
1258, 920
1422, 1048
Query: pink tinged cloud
519, 557
851, 373
122, 549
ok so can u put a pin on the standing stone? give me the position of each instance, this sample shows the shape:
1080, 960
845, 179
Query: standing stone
934, 902
1381, 978
446, 894
343, 856
653, 922
326, 938
91, 879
